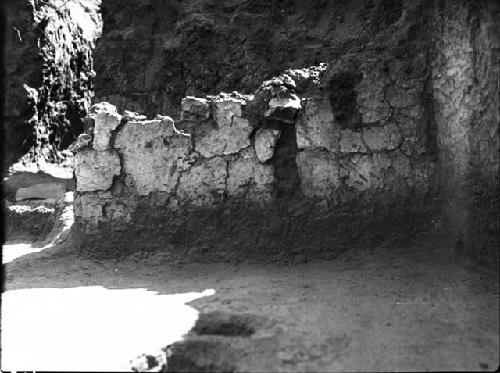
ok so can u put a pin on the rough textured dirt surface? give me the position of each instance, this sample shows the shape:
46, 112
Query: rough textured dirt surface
389, 307
153, 53
49, 75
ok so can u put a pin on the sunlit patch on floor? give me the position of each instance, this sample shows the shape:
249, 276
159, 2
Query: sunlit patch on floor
90, 328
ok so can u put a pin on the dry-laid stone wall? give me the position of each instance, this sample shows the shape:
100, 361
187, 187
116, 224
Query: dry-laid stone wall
242, 173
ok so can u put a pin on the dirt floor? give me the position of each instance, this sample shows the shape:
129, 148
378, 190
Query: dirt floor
410, 308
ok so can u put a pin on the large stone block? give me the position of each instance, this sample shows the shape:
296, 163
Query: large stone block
351, 142
382, 138
250, 179
318, 172
371, 101
106, 120
95, 170
232, 135
265, 142
315, 128
153, 154
203, 184
363, 172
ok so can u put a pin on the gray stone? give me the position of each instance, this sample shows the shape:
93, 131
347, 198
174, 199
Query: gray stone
371, 101
315, 128
203, 184
229, 138
382, 138
318, 172
291, 102
362, 172
48, 191
90, 207
225, 109
153, 153
107, 120
250, 179
351, 142
196, 106
265, 142
95, 170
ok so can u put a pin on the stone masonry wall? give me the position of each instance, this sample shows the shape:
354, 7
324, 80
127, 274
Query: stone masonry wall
399, 126
254, 174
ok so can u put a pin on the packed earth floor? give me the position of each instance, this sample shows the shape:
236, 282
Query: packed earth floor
393, 307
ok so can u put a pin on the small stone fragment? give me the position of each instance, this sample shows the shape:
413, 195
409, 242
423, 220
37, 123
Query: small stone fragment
195, 106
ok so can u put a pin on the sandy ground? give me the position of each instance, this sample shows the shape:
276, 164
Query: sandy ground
372, 309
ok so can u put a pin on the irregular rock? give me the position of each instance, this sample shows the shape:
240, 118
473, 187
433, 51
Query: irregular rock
95, 170
284, 108
315, 128
194, 106
382, 138
351, 142
153, 154
265, 142
319, 173
204, 184
106, 120
49, 191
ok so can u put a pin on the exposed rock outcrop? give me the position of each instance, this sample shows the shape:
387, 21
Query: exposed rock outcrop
49, 76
